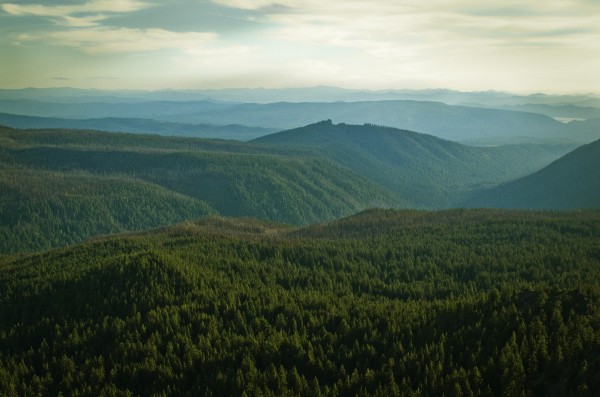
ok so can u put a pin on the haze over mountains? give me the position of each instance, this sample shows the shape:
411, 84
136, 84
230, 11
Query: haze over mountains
305, 94
61, 186
570, 182
137, 126
442, 113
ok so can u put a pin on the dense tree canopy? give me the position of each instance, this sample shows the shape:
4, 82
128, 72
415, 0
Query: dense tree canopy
60, 187
385, 303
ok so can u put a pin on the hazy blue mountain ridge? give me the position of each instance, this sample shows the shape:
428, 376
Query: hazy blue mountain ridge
306, 94
430, 171
138, 126
472, 125
573, 181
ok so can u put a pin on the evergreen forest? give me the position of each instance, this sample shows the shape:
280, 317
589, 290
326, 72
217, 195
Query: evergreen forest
383, 303
61, 187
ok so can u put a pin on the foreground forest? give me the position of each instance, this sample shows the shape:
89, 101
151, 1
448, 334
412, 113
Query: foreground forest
385, 303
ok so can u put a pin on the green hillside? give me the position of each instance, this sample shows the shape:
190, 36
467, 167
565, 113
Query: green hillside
428, 171
385, 303
44, 209
573, 181
65, 186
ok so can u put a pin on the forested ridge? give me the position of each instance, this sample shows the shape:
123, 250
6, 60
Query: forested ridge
385, 303
573, 181
429, 172
61, 187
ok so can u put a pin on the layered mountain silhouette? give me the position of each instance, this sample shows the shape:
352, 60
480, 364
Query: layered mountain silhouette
64, 186
427, 171
573, 181
137, 126
473, 125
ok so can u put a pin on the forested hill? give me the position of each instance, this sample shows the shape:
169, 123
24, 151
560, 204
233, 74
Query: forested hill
138, 126
429, 171
59, 187
64, 186
572, 181
454, 303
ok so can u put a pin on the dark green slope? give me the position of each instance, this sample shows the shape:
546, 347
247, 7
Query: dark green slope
228, 177
44, 209
573, 181
286, 189
449, 303
428, 171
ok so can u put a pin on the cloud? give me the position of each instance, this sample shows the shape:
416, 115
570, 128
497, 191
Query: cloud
462, 41
95, 6
96, 40
425, 35
363, 22
76, 15
460, 44
255, 4
80, 22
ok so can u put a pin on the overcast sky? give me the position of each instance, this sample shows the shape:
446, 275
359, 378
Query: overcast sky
521, 46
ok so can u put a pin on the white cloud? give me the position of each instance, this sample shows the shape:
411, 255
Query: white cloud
358, 22
80, 22
89, 7
362, 22
78, 15
97, 40
463, 44
253, 4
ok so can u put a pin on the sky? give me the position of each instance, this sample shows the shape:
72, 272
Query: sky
521, 46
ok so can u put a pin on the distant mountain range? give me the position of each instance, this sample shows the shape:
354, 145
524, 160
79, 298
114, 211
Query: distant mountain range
63, 182
495, 99
138, 126
489, 119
